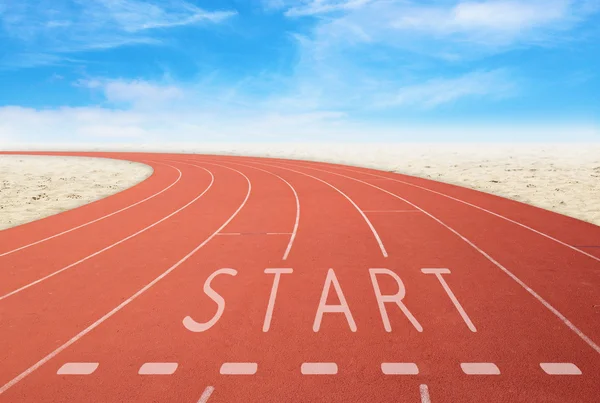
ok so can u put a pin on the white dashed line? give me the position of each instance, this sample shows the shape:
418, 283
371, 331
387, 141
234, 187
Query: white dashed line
480, 368
206, 394
158, 368
424, 394
560, 368
319, 368
399, 368
78, 368
239, 368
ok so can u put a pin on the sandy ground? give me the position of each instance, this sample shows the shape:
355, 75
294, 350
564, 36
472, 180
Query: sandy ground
557, 177
32, 187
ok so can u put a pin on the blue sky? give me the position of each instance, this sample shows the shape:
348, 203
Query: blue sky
299, 70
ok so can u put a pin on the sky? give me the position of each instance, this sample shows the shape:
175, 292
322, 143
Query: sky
194, 71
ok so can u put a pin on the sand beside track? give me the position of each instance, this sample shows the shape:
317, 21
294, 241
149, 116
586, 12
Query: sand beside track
33, 187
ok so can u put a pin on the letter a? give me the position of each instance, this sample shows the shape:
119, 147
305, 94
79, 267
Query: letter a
323, 307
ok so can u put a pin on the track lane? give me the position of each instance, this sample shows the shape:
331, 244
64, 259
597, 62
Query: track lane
23, 269
76, 298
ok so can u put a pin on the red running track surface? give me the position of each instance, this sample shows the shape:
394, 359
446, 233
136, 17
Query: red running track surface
234, 279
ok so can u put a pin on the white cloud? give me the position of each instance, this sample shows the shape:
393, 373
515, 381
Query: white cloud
138, 93
315, 7
490, 84
63, 26
446, 29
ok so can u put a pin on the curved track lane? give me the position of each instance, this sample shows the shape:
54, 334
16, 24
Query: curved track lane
266, 280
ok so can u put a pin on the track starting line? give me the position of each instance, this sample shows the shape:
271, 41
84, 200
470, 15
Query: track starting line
318, 368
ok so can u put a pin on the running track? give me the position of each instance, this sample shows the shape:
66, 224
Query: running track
230, 279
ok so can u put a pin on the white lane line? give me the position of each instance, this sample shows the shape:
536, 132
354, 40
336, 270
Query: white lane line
399, 368
560, 368
319, 368
78, 368
206, 394
123, 304
391, 211
97, 219
373, 230
279, 233
297, 221
424, 390
110, 246
546, 304
480, 368
228, 233
479, 208
158, 368
239, 368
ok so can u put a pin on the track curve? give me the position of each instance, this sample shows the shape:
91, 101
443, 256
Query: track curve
226, 279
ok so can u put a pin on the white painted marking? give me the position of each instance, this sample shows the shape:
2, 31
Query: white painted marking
94, 325
206, 394
78, 368
110, 246
375, 234
424, 390
395, 298
158, 368
97, 219
229, 233
271, 305
546, 304
319, 368
296, 222
279, 233
399, 368
239, 368
560, 368
391, 211
438, 273
480, 368
193, 326
341, 308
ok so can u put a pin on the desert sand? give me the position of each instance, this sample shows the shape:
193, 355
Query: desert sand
33, 187
564, 178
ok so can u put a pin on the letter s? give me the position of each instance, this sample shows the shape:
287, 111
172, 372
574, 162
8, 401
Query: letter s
190, 324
